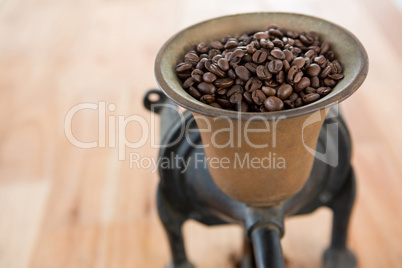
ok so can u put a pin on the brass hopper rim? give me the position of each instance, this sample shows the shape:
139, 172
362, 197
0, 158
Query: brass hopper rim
352, 80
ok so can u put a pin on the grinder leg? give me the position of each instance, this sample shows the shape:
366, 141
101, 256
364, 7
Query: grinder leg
337, 255
172, 221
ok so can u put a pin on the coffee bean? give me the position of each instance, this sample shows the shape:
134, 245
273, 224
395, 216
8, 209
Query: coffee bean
284, 91
329, 82
310, 54
217, 45
269, 91
206, 88
293, 96
236, 98
258, 97
338, 67
313, 70
240, 82
309, 90
234, 89
259, 56
223, 64
278, 54
224, 103
183, 67
325, 72
188, 83
194, 92
247, 97
302, 84
266, 44
261, 35
243, 73
202, 48
238, 53
274, 104
291, 73
323, 91
275, 32
306, 39
184, 76
200, 65
309, 98
336, 77
253, 84
224, 82
315, 82
232, 74
324, 48
209, 77
289, 104
231, 44
286, 65
263, 73
251, 66
299, 62
221, 91
275, 66
197, 74
319, 59
207, 98
280, 77
213, 68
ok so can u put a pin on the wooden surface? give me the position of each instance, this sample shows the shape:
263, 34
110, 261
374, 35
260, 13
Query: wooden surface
62, 206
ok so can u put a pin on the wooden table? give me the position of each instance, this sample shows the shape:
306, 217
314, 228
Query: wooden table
63, 206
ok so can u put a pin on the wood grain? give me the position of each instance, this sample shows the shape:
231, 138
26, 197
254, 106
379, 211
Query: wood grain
62, 206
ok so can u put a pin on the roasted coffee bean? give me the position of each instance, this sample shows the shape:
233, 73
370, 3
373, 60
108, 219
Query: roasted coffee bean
194, 92
202, 48
232, 74
275, 32
291, 73
188, 83
247, 97
238, 53
236, 98
337, 66
260, 56
223, 64
266, 44
324, 48
313, 70
197, 74
284, 91
258, 97
224, 82
260, 71
289, 104
319, 60
263, 73
206, 88
280, 77
274, 104
275, 66
191, 57
309, 90
234, 89
224, 103
243, 73
336, 77
325, 72
216, 105
217, 45
221, 91
209, 77
299, 62
253, 84
293, 96
315, 82
269, 91
302, 84
286, 65
261, 35
251, 66
250, 49
231, 44
323, 91
200, 65
309, 98
328, 82
183, 67
278, 54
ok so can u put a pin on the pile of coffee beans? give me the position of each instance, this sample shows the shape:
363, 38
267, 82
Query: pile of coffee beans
263, 71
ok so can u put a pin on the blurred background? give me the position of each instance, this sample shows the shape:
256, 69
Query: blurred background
64, 206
